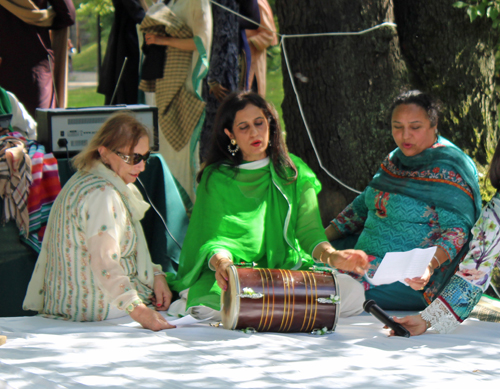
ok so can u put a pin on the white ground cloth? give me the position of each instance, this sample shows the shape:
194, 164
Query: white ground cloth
44, 353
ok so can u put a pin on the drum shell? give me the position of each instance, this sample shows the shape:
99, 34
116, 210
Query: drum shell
292, 301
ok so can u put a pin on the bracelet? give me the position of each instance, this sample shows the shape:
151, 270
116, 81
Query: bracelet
158, 273
431, 268
428, 324
324, 250
437, 260
217, 263
133, 305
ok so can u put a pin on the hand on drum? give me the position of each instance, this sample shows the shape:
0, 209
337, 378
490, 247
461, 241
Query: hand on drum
349, 260
221, 274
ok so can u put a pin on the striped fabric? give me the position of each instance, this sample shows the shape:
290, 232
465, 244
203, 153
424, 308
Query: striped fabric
15, 180
28, 185
43, 191
179, 110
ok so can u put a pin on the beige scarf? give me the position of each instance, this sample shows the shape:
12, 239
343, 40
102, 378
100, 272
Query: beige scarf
179, 110
29, 13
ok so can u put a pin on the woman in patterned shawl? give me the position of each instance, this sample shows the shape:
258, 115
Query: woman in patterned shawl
463, 292
95, 264
425, 194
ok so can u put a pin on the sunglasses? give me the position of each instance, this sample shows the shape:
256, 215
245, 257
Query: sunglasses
133, 159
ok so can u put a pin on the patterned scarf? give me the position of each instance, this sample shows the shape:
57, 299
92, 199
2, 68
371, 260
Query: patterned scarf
15, 181
29, 13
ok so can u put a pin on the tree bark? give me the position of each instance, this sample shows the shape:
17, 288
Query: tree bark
454, 60
347, 83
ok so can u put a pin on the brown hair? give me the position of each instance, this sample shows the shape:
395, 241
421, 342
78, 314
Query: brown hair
431, 106
120, 130
217, 150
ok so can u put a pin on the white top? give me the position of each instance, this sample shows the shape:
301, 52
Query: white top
94, 254
21, 119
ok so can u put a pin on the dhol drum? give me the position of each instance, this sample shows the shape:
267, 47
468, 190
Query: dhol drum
276, 300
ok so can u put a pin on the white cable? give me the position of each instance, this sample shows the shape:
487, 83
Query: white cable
299, 103
304, 35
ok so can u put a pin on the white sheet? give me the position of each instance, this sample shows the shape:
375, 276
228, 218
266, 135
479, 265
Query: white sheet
45, 353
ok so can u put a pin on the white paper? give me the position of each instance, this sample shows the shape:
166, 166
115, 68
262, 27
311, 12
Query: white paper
397, 266
175, 321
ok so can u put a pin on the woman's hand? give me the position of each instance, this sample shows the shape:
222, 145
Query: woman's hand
152, 39
162, 295
218, 90
349, 260
185, 44
222, 274
149, 319
418, 283
415, 324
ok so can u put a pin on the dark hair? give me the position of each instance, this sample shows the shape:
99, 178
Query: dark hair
120, 130
494, 171
218, 152
427, 102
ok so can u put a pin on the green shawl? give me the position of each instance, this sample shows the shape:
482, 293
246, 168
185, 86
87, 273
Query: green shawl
251, 214
431, 177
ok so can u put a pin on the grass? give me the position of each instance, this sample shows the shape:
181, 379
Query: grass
86, 60
84, 97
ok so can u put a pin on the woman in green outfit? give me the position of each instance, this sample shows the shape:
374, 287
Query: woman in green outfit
255, 203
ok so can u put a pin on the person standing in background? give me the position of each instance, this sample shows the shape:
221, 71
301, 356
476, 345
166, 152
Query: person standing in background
34, 38
228, 64
184, 28
123, 43
259, 40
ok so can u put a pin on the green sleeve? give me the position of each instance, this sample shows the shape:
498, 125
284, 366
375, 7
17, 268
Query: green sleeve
310, 231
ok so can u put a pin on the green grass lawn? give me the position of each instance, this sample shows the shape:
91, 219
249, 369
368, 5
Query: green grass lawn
86, 60
84, 97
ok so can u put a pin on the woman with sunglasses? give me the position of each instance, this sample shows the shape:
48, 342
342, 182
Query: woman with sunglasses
94, 263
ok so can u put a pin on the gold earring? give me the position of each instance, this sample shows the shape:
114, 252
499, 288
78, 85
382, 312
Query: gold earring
236, 148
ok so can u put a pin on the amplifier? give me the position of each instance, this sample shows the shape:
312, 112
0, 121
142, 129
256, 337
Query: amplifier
63, 130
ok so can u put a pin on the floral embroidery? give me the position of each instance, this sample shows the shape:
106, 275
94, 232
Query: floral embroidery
435, 174
348, 221
381, 199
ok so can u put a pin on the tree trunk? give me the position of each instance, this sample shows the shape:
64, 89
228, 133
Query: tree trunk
347, 83
454, 60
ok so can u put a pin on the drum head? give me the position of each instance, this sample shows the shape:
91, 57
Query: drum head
338, 306
230, 302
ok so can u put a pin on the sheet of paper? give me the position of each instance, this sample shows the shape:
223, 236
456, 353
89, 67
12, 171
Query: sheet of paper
397, 266
176, 321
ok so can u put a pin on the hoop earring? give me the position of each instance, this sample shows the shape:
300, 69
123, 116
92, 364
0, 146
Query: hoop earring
236, 148
269, 144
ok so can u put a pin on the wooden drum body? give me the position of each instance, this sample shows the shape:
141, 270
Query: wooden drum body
279, 300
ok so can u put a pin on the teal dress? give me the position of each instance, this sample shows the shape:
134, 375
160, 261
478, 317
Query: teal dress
431, 199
